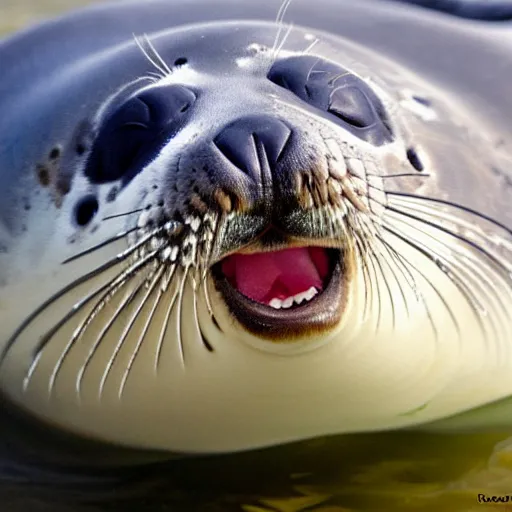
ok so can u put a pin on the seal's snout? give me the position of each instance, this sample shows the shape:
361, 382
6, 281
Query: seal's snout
246, 140
254, 145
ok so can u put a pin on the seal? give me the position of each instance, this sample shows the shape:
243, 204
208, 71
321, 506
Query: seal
227, 232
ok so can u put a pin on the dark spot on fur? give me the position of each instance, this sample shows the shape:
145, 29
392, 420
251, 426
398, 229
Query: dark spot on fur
112, 194
422, 100
181, 61
86, 209
43, 175
54, 153
414, 159
82, 137
63, 185
506, 179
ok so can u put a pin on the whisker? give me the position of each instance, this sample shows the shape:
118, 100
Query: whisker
402, 175
109, 241
400, 267
376, 285
126, 332
335, 78
157, 280
77, 282
311, 46
312, 68
468, 256
152, 55
462, 277
165, 324
366, 276
462, 238
159, 58
206, 343
204, 285
425, 251
77, 335
404, 265
179, 315
454, 205
43, 342
388, 287
99, 339
283, 42
125, 214
457, 222
279, 21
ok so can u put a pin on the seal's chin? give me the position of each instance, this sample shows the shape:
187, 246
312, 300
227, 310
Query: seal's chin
284, 295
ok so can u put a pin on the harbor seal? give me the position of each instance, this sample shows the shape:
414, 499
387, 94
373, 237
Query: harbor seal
227, 232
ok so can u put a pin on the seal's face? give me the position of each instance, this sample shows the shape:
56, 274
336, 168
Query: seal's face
278, 170
231, 209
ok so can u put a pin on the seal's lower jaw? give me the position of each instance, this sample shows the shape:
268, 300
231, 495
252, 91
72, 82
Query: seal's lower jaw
285, 295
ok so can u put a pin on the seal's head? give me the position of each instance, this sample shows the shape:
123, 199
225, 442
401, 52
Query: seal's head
253, 245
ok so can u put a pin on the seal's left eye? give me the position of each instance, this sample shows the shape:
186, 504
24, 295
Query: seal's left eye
335, 91
131, 133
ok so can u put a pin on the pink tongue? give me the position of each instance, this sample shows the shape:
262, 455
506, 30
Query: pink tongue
280, 274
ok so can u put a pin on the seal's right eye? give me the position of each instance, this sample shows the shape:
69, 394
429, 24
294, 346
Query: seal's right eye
132, 132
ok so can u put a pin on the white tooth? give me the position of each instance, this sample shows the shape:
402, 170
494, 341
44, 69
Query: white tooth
300, 297
288, 302
276, 303
297, 299
311, 293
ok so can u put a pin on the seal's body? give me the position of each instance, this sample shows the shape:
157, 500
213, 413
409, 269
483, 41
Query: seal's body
225, 234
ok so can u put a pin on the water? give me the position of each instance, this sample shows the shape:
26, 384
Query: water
381, 472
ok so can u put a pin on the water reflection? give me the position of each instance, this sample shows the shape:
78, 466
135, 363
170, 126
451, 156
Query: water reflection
391, 471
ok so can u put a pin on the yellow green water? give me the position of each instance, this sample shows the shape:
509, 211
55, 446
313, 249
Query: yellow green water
385, 472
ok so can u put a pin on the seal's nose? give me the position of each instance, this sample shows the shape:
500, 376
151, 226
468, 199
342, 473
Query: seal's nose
254, 144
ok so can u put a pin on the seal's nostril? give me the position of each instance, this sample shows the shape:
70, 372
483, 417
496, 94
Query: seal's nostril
239, 140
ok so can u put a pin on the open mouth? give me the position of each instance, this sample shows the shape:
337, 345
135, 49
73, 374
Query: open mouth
285, 293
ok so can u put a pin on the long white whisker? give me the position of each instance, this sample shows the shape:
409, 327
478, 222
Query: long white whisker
165, 324
156, 63
155, 282
122, 340
279, 20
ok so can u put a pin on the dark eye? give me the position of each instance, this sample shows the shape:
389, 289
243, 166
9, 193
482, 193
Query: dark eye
335, 91
135, 130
